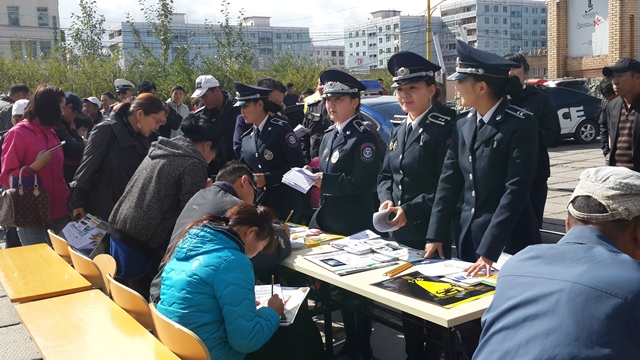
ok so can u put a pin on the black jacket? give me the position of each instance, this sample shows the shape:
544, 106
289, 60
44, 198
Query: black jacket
542, 109
350, 163
73, 149
411, 171
113, 153
494, 170
317, 121
609, 121
225, 121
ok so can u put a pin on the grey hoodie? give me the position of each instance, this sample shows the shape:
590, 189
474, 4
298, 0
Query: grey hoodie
167, 178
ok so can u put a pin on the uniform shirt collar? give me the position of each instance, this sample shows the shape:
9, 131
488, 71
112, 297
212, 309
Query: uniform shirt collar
415, 122
261, 126
341, 127
489, 113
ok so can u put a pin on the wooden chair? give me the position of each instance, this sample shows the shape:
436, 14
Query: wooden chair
60, 246
182, 341
107, 265
89, 269
131, 302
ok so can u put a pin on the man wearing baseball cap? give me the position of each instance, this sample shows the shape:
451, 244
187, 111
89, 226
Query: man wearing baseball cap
91, 107
619, 120
579, 298
218, 108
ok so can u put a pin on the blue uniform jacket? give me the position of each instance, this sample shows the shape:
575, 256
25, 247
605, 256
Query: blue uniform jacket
494, 173
208, 287
578, 299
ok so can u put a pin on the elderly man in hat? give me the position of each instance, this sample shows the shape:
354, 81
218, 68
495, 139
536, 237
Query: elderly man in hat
620, 120
217, 108
551, 302
491, 161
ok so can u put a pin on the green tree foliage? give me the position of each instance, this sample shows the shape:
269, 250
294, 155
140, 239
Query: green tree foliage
87, 29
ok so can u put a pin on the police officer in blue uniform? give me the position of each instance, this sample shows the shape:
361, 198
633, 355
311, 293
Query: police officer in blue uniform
349, 160
270, 149
416, 151
492, 159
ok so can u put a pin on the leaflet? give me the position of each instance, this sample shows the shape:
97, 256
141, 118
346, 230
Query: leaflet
292, 297
299, 179
301, 131
85, 233
382, 221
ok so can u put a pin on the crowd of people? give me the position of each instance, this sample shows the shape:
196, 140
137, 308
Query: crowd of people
191, 195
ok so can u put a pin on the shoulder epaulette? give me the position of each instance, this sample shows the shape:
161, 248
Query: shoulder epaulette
330, 128
398, 119
520, 113
360, 126
278, 121
438, 118
313, 102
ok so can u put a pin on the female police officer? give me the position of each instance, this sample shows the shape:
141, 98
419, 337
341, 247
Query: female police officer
349, 160
269, 148
492, 161
414, 158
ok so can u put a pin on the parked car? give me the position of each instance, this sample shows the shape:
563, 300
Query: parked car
569, 83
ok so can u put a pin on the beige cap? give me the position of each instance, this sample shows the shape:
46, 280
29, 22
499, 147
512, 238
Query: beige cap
617, 188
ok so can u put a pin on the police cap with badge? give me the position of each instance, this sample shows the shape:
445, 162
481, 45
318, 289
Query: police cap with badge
246, 93
472, 61
338, 83
123, 85
408, 68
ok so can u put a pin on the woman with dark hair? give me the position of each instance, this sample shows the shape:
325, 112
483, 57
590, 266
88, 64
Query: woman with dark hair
144, 217
269, 149
545, 113
491, 161
114, 151
208, 282
26, 145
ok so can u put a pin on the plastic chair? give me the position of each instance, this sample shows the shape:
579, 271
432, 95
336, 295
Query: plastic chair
107, 265
131, 302
89, 269
177, 338
60, 246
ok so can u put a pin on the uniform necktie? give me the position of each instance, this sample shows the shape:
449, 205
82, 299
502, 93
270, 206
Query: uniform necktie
481, 123
408, 133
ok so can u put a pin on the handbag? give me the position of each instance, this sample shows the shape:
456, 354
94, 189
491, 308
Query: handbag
7, 212
30, 205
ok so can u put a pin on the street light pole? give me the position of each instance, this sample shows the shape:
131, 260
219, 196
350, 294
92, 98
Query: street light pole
429, 37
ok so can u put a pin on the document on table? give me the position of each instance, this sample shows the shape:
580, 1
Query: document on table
344, 263
299, 179
292, 297
442, 268
85, 233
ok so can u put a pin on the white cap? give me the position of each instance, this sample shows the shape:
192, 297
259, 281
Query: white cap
203, 83
19, 106
94, 100
123, 84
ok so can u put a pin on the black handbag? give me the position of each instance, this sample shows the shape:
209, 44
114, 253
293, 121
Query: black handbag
24, 207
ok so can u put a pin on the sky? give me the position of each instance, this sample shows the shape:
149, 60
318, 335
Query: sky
326, 19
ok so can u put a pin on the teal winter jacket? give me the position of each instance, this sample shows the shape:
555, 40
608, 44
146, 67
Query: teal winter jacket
208, 287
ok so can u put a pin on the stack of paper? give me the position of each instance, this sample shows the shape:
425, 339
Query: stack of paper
292, 297
299, 179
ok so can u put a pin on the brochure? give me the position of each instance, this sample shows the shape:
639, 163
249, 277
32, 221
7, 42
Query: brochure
342, 263
292, 297
299, 179
85, 233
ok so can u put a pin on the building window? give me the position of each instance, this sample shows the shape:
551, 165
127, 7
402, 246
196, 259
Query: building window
534, 43
526, 44
495, 8
505, 32
388, 50
496, 20
526, 9
543, 10
536, 72
288, 36
43, 16
486, 32
381, 51
363, 33
350, 35
486, 44
350, 45
526, 32
504, 9
364, 53
505, 44
14, 15
543, 21
543, 33
396, 27
278, 36
298, 36
364, 43
486, 8
45, 47
381, 62
496, 44
504, 21
149, 33
388, 27
534, 10
379, 40
341, 53
543, 43
341, 61
379, 28
357, 54
333, 53
357, 43
535, 21
526, 21
534, 32
486, 20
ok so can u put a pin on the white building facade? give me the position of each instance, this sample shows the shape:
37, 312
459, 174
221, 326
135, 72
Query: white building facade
28, 28
332, 55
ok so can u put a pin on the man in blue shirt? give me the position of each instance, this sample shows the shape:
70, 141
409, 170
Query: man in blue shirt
580, 298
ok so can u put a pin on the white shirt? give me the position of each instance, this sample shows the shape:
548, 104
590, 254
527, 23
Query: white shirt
264, 121
415, 122
486, 117
342, 126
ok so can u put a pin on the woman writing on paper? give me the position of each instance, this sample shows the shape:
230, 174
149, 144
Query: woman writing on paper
269, 149
212, 261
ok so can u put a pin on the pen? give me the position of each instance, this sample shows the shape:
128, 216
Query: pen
272, 280
395, 271
289, 217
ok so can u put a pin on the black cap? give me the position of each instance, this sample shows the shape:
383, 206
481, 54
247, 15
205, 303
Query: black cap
74, 100
249, 92
408, 68
623, 65
472, 61
338, 83
146, 86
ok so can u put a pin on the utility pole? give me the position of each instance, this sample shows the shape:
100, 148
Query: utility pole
429, 30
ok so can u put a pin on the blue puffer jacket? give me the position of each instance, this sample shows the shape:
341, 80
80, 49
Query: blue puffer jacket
208, 287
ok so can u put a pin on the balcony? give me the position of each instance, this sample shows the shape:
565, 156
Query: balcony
459, 16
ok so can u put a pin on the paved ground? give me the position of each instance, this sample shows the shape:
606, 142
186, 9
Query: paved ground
567, 162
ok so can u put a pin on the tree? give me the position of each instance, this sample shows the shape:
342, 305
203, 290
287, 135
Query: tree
87, 29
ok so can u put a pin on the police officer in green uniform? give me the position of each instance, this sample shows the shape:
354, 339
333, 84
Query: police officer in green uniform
349, 160
492, 160
270, 149
416, 151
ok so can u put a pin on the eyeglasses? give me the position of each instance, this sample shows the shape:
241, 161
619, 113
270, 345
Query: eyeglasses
158, 121
258, 194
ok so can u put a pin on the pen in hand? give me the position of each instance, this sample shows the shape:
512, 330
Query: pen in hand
272, 282
289, 217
